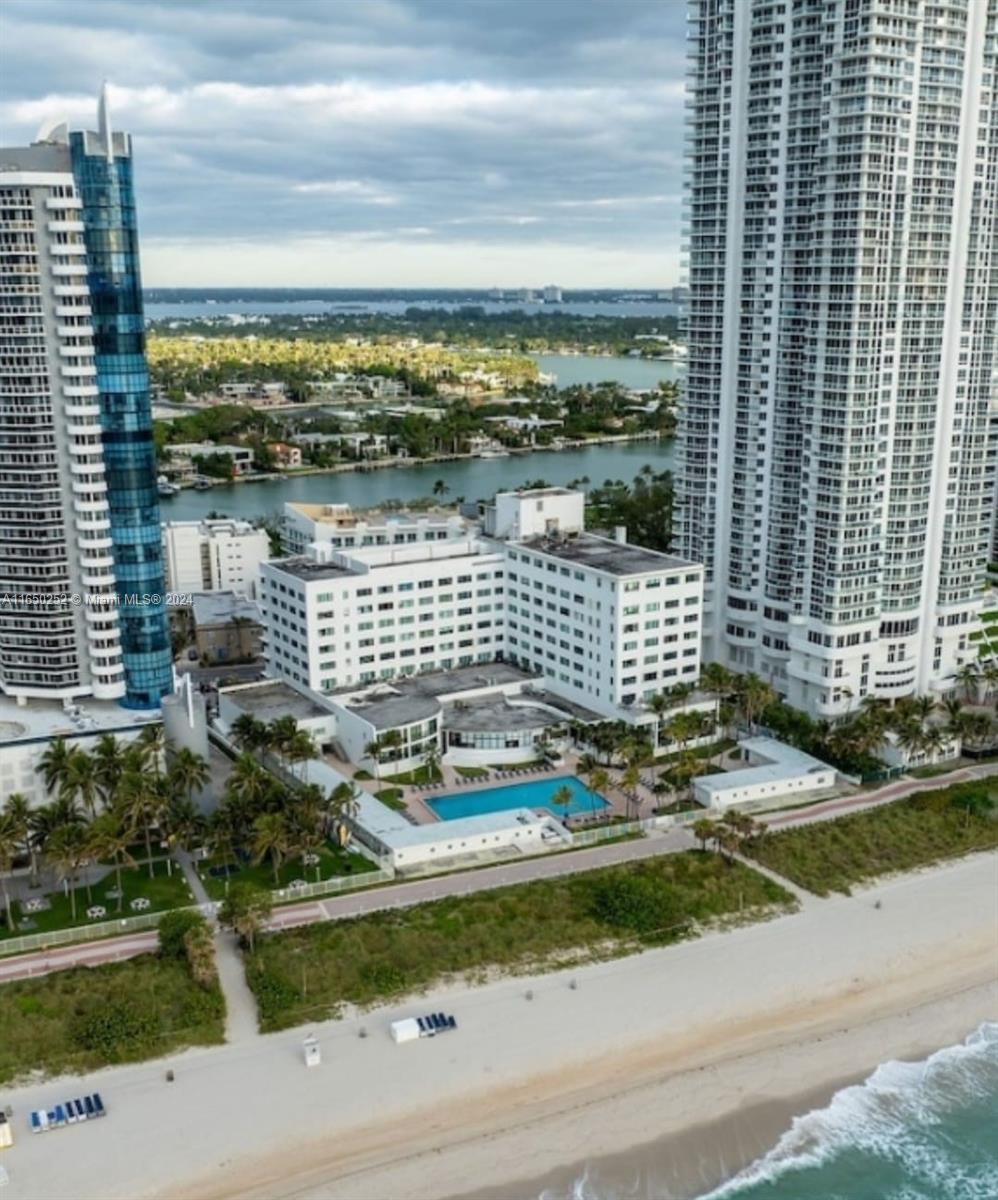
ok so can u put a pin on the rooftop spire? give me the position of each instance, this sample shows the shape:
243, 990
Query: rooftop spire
104, 122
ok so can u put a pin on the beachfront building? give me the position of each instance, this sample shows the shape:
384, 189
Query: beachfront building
79, 510
603, 624
341, 527
775, 775
843, 199
214, 556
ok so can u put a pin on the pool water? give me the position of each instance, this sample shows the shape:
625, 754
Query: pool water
536, 794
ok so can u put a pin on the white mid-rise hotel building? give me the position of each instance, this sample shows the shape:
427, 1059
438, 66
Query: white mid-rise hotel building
843, 271
605, 623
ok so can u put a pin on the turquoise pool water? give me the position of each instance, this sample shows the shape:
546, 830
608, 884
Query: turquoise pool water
536, 794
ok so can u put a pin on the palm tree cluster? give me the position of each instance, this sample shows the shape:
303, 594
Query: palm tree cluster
729, 833
261, 817
281, 737
101, 803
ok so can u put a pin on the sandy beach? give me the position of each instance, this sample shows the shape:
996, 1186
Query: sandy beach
714, 1044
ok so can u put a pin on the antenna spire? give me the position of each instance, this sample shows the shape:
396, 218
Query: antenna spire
104, 122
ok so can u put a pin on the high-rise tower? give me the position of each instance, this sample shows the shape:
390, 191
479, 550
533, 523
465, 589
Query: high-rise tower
843, 271
82, 609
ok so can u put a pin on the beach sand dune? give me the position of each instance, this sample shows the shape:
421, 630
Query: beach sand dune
712, 1044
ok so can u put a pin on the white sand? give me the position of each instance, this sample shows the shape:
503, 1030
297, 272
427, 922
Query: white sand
645, 1045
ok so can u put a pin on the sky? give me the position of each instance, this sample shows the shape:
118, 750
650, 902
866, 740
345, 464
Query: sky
378, 143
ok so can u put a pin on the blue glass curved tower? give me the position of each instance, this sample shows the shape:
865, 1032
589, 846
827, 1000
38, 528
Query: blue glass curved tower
102, 170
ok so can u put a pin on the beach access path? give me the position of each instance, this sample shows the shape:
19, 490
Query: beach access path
682, 1034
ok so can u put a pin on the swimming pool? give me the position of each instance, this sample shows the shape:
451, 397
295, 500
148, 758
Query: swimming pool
536, 794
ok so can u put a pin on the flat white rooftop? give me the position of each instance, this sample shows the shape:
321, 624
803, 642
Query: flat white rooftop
782, 764
40, 720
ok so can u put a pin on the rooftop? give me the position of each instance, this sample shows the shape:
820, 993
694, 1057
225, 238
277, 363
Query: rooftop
308, 570
782, 763
40, 720
218, 608
344, 516
607, 555
272, 699
391, 703
489, 713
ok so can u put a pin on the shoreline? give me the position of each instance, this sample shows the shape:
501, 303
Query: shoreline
712, 1043
387, 464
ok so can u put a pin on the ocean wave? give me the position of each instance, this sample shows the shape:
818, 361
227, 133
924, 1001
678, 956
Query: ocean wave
891, 1117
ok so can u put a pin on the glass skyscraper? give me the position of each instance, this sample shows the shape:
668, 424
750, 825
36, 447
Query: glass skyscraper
76, 423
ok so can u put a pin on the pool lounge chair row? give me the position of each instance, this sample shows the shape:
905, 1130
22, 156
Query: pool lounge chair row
462, 781
86, 1108
435, 1023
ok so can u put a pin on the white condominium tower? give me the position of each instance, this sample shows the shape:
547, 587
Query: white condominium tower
843, 209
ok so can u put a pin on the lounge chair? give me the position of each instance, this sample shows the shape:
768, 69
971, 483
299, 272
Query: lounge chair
99, 1105
88, 1104
70, 1112
443, 1021
43, 1120
451, 1023
36, 1122
60, 1114
419, 1022
81, 1112
434, 1021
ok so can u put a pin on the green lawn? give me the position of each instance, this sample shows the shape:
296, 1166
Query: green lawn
163, 891
392, 796
420, 775
832, 856
307, 974
334, 863
473, 772
94, 1016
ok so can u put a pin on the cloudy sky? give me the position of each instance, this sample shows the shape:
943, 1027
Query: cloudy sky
376, 142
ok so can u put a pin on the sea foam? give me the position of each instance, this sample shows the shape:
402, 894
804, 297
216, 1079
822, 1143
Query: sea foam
891, 1117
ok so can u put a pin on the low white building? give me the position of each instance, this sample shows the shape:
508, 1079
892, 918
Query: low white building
214, 556
777, 774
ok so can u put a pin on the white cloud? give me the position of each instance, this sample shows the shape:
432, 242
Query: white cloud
358, 188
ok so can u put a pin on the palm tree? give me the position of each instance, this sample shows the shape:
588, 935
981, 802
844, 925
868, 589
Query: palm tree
109, 838
248, 733
629, 781
270, 839
53, 764
717, 679
247, 780
754, 696
17, 810
562, 798
80, 780
910, 738
151, 742
140, 806
281, 734
67, 850
188, 772
245, 910
108, 765
305, 820
300, 748
184, 824
343, 805
440, 488
969, 677
10, 847
431, 761
704, 829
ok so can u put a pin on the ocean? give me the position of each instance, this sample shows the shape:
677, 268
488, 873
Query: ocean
912, 1131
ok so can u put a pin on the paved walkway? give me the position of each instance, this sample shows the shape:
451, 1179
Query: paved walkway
83, 954
240, 1007
524, 870
885, 795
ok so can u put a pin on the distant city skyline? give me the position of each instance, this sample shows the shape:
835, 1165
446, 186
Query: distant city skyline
406, 143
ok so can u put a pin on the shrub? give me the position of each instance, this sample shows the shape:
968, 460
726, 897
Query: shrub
173, 929
199, 951
637, 902
117, 1031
